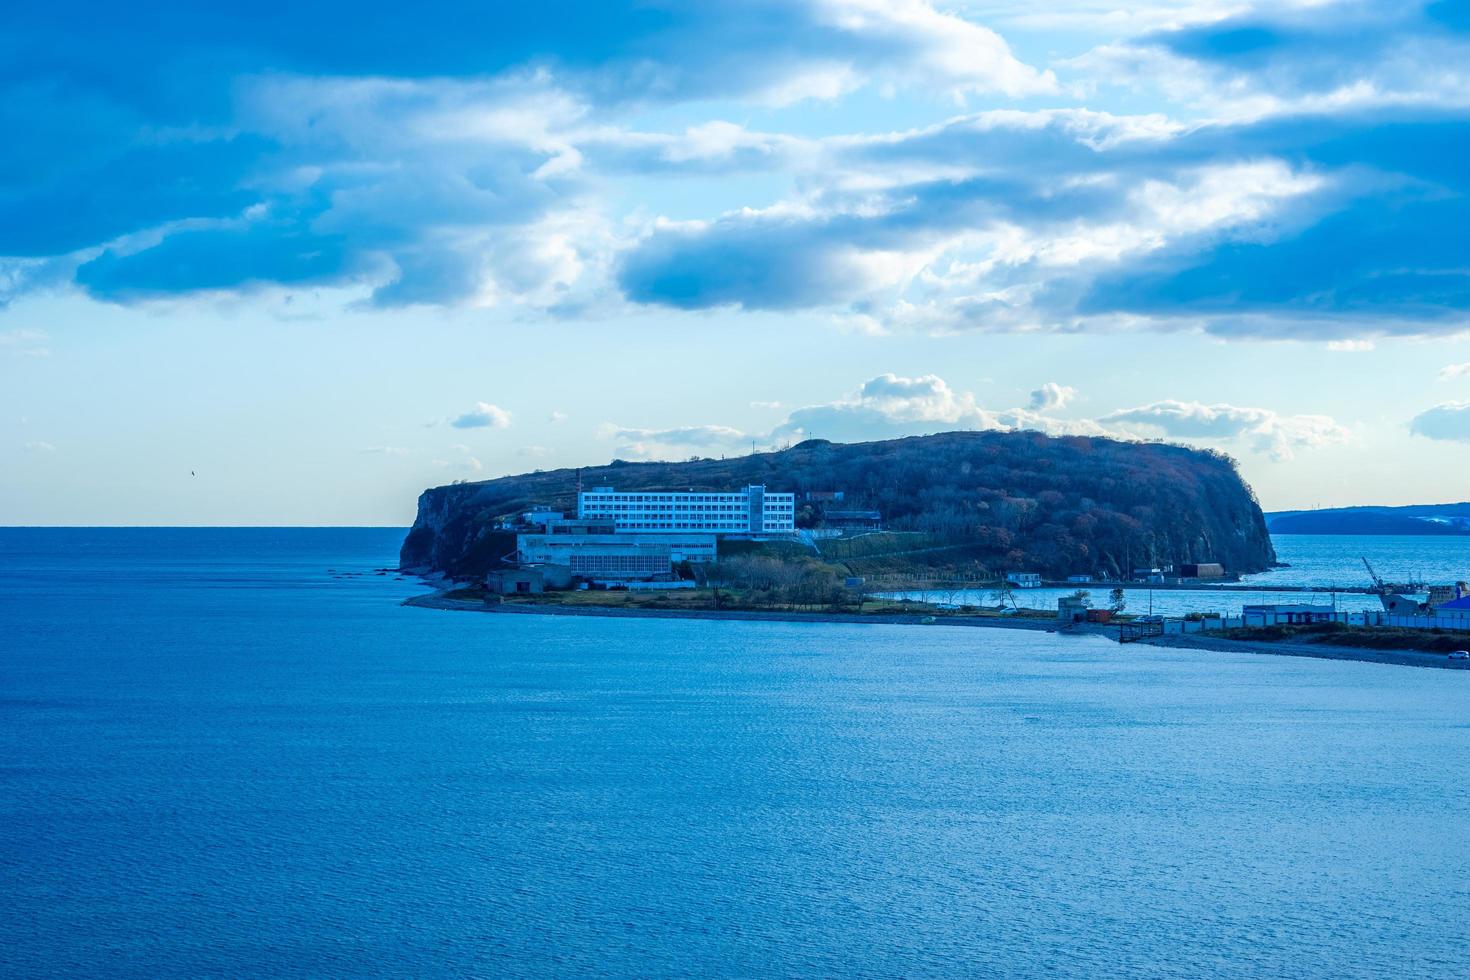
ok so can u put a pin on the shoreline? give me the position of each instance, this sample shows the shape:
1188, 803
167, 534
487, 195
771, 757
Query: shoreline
1193, 641
437, 600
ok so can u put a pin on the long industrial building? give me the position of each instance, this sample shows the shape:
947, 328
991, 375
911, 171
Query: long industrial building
748, 511
594, 549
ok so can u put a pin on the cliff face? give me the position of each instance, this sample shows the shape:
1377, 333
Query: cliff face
988, 501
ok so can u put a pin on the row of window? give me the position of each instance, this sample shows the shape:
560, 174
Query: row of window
694, 525
653, 564
681, 498
596, 509
721, 508
665, 497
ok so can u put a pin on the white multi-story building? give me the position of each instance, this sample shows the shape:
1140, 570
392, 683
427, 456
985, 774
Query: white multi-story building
748, 511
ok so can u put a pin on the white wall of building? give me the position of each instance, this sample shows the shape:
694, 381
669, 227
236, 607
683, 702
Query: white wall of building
748, 511
557, 549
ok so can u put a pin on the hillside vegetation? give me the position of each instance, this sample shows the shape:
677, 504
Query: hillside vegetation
973, 502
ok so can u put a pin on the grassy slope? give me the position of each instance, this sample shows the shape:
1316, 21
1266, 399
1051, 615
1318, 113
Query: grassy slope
1367, 638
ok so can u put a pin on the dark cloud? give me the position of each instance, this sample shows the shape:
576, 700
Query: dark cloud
1288, 50
1449, 422
1365, 223
757, 264
1390, 244
455, 151
77, 205
122, 119
226, 258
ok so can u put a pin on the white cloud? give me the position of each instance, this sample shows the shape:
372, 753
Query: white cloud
765, 405
1267, 431
1449, 422
889, 406
890, 242
465, 463
940, 49
557, 417
483, 416
1052, 396
385, 451
635, 443
926, 398
1311, 57
1350, 346
31, 343
1452, 371
40, 446
534, 452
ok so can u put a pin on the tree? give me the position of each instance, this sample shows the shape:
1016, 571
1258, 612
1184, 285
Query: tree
1083, 596
1117, 599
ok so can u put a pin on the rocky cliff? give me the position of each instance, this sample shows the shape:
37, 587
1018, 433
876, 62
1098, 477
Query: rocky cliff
985, 501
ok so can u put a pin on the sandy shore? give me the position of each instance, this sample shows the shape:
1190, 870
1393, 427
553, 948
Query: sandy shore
1320, 651
1193, 641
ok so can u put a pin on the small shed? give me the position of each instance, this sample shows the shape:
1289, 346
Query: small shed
1071, 609
515, 581
1294, 614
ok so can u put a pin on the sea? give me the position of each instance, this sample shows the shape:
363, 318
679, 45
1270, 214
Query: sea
233, 753
1322, 563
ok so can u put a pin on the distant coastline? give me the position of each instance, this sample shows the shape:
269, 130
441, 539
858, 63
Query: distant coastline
1434, 520
1399, 658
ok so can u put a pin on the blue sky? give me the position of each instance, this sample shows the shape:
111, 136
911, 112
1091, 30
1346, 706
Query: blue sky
322, 255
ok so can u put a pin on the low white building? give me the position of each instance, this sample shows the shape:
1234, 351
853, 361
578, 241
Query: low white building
1287, 614
1024, 580
748, 511
631, 555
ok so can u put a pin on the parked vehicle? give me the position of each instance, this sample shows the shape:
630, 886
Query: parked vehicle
1460, 655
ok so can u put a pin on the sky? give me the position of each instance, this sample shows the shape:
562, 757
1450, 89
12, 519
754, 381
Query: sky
291, 263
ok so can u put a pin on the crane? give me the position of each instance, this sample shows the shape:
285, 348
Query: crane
1377, 582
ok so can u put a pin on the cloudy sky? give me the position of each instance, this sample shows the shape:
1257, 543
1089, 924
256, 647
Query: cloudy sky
321, 255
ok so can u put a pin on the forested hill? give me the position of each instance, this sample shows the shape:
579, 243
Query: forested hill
990, 501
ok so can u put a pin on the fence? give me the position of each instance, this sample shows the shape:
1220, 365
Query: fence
1175, 627
1440, 622
1445, 621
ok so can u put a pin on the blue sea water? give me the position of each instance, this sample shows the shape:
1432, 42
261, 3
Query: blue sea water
232, 753
1336, 560
1324, 562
